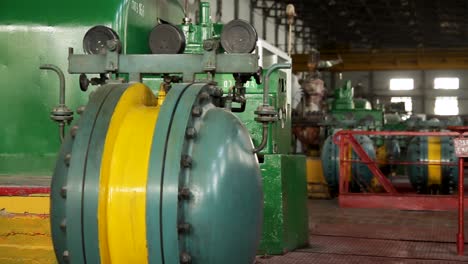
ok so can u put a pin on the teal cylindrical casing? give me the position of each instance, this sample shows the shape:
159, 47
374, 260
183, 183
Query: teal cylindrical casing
204, 198
359, 171
418, 151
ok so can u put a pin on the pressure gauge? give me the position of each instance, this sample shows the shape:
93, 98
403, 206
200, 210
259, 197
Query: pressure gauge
239, 36
97, 38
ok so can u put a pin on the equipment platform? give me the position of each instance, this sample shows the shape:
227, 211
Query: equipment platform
346, 235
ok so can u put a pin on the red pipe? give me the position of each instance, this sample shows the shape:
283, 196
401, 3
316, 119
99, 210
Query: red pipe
395, 133
404, 162
342, 168
461, 232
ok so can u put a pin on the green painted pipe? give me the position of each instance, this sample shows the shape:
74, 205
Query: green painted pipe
266, 89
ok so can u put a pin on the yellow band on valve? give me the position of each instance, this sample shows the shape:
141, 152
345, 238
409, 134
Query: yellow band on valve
434, 155
124, 170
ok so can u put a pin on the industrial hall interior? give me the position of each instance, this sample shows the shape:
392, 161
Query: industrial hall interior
233, 132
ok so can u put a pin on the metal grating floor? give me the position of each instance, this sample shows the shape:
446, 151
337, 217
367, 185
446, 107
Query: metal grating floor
343, 235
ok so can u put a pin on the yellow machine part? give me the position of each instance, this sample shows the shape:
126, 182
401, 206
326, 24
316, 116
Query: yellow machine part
317, 186
381, 157
25, 238
25, 204
381, 154
434, 155
124, 170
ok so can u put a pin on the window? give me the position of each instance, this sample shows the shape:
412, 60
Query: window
446, 83
402, 84
446, 105
407, 100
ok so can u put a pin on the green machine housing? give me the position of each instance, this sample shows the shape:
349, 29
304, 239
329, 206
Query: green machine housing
285, 225
33, 33
349, 112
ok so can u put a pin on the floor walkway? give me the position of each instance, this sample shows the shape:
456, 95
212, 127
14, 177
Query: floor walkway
339, 235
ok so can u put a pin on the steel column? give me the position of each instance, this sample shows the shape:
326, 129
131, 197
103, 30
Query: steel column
461, 234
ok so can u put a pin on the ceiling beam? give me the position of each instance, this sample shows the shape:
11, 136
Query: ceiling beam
386, 59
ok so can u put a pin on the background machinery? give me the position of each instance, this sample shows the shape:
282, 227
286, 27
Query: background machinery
431, 167
137, 158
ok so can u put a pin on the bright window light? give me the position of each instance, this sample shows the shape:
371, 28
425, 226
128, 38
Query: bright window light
407, 100
446, 83
401, 84
446, 105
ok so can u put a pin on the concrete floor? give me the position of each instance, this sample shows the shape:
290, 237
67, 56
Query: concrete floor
344, 235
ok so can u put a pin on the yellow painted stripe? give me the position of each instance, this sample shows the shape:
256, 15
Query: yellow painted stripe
25, 238
29, 204
315, 171
124, 170
434, 155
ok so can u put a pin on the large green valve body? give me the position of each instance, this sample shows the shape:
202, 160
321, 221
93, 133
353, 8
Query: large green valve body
38, 32
346, 111
198, 198
437, 176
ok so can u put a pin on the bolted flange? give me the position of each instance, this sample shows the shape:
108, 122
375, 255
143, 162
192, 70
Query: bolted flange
186, 161
204, 96
197, 111
63, 192
80, 109
67, 159
184, 194
185, 258
73, 131
63, 224
183, 228
190, 133
66, 256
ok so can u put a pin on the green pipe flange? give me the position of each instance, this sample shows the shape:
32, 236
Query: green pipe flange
173, 164
70, 248
57, 199
155, 172
224, 180
93, 171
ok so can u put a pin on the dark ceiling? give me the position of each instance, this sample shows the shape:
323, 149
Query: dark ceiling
347, 24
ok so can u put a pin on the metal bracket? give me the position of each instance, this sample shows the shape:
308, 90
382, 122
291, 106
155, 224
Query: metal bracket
186, 64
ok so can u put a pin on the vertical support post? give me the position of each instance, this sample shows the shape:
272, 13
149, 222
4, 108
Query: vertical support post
252, 9
347, 163
332, 80
461, 216
219, 11
236, 9
277, 25
344, 164
422, 93
341, 165
264, 25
